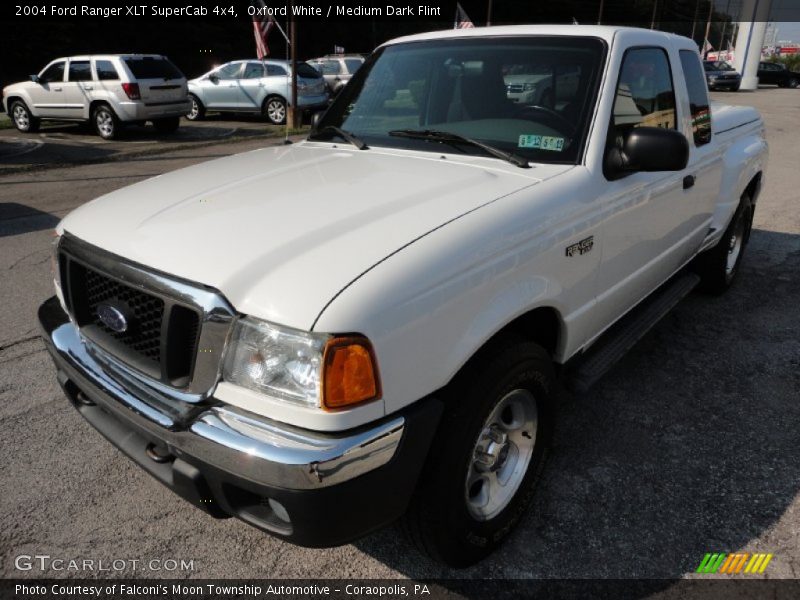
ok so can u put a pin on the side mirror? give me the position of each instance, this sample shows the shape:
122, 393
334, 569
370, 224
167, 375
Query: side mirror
649, 149
35, 79
213, 78
315, 119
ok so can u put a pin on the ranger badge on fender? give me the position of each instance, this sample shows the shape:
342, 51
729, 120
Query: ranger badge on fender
581, 247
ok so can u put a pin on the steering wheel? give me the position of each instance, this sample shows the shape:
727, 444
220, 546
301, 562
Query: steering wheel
567, 126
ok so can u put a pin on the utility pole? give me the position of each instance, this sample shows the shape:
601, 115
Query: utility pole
708, 22
694, 20
294, 117
489, 14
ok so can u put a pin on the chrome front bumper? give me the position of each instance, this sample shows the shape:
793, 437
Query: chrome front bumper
230, 462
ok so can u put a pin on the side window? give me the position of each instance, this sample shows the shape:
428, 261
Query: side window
253, 70
352, 64
331, 67
53, 73
80, 70
276, 70
105, 70
645, 96
698, 97
229, 71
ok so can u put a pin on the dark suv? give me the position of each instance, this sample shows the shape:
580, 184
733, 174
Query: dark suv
777, 74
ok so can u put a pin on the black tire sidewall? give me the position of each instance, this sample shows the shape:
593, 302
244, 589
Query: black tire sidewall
462, 539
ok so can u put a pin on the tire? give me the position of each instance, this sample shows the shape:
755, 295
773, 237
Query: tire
24, 121
736, 88
167, 125
274, 109
793, 83
106, 123
461, 511
198, 111
718, 266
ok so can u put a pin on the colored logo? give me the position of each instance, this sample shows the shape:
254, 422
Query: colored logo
112, 317
732, 564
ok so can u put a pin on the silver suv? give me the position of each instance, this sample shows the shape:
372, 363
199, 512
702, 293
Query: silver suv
337, 69
110, 90
255, 86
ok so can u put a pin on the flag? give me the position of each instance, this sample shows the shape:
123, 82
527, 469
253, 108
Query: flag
262, 25
338, 49
707, 47
575, 21
462, 20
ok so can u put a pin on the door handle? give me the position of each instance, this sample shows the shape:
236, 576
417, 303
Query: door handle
688, 181
56, 89
88, 87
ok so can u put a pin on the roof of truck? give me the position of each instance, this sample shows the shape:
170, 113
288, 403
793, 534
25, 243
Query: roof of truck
605, 32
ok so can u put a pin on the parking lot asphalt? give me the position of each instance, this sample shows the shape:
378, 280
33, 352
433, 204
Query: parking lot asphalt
58, 144
690, 445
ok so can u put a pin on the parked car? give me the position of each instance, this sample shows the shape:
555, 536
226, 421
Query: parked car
337, 69
323, 337
720, 75
777, 74
109, 90
532, 83
255, 86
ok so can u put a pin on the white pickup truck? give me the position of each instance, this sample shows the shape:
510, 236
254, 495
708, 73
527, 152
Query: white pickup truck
324, 337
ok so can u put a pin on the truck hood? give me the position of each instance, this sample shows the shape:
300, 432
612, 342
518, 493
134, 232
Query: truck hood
280, 231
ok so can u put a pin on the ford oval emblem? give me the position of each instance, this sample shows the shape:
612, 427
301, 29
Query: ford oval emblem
112, 317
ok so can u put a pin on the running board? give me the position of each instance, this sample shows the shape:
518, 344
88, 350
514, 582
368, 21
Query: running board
622, 336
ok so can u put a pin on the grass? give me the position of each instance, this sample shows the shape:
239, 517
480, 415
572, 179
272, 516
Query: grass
5, 122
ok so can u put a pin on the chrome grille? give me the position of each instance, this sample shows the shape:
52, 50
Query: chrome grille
178, 329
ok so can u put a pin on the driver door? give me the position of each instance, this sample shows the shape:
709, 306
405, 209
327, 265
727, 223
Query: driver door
221, 88
48, 95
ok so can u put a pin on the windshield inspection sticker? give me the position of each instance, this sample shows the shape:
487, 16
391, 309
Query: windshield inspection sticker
542, 142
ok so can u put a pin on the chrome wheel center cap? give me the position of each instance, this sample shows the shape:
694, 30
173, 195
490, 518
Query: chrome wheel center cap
492, 450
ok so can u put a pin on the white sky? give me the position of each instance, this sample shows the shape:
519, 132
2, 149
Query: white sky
789, 31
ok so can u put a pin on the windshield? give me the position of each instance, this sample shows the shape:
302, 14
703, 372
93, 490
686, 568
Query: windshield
532, 96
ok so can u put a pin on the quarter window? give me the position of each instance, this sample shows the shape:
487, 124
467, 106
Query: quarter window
53, 73
276, 70
698, 97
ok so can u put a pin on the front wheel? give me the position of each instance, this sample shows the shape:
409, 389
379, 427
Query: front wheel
794, 82
488, 454
24, 121
274, 110
718, 266
197, 110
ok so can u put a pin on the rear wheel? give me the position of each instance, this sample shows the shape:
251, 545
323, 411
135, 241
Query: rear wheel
197, 112
168, 125
106, 123
718, 266
24, 121
488, 454
274, 109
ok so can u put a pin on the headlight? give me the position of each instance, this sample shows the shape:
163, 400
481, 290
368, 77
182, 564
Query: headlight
310, 369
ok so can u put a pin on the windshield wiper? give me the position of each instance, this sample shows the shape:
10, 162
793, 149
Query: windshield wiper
346, 135
446, 136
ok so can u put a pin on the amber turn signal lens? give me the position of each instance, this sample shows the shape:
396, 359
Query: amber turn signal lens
350, 375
